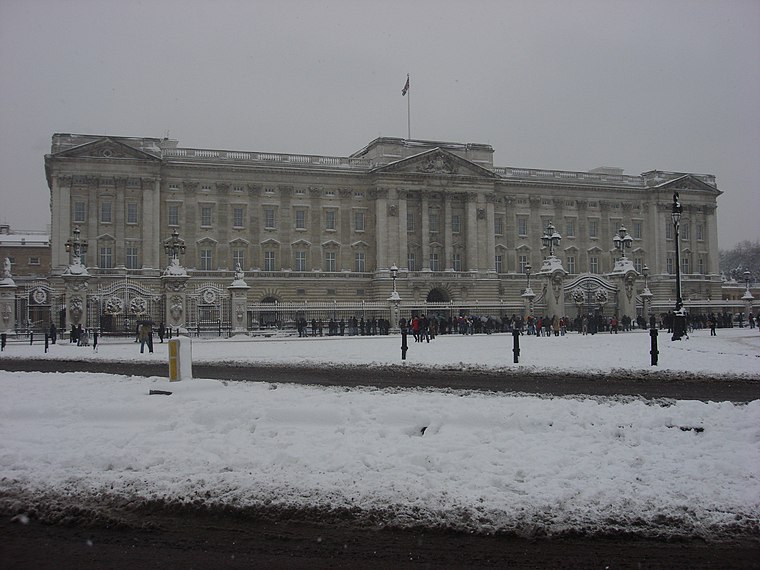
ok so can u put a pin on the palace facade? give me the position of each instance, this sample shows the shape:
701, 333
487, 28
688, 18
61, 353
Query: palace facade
307, 228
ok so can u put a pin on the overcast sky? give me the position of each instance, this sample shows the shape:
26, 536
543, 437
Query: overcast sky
661, 84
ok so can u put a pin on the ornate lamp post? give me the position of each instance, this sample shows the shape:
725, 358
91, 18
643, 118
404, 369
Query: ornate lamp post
622, 241
747, 293
76, 247
679, 319
174, 246
554, 273
551, 238
174, 281
529, 295
76, 279
646, 294
394, 299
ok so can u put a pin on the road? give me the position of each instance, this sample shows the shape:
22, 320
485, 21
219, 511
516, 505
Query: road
649, 385
111, 534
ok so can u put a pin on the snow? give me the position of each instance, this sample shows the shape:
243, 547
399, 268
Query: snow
474, 461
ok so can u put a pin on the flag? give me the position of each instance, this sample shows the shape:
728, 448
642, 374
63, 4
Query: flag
406, 86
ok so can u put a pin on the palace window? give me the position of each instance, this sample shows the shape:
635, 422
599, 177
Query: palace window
593, 229
433, 221
207, 213
238, 258
593, 264
522, 262
685, 232
330, 261
669, 265
456, 223
270, 222
359, 262
499, 266
206, 259
300, 219
699, 232
685, 265
638, 264
569, 228
522, 225
131, 212
571, 264
173, 215
668, 230
701, 265
410, 220
434, 262
34, 260
300, 261
330, 219
132, 257
269, 261
637, 230
457, 261
238, 215
106, 257
359, 221
80, 212
411, 262
498, 225
106, 212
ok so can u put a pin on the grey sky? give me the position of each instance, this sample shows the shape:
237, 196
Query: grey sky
662, 84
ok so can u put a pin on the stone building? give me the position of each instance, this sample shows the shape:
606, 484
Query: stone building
28, 251
306, 228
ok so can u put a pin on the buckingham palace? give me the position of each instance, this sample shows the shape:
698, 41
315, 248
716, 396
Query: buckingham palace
144, 225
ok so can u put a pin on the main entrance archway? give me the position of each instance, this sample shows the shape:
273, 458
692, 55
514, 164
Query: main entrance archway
438, 295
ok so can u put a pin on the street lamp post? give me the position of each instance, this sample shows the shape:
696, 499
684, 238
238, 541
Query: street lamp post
76, 247
551, 238
174, 246
679, 319
528, 294
622, 241
747, 293
646, 294
395, 299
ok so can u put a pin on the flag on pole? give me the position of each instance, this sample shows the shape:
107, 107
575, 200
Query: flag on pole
406, 86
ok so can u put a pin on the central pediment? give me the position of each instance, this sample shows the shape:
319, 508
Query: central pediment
436, 162
106, 148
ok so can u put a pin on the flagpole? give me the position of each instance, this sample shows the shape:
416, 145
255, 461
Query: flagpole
405, 92
408, 110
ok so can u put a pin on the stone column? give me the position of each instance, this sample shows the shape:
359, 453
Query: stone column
61, 218
7, 300
471, 213
490, 261
403, 243
448, 236
381, 228
76, 284
425, 231
174, 284
711, 235
624, 276
554, 275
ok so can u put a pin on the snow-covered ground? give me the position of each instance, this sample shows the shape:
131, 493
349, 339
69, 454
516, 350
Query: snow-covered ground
474, 461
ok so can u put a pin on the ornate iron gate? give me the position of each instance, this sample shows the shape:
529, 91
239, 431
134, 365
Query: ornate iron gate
208, 309
118, 307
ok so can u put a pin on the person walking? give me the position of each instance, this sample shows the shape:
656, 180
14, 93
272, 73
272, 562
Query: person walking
142, 336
